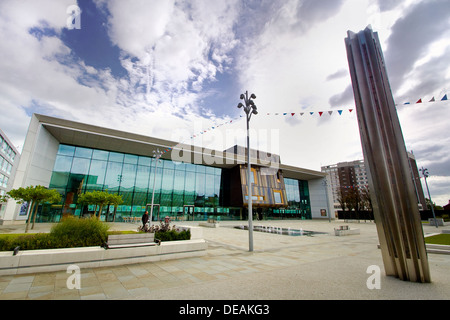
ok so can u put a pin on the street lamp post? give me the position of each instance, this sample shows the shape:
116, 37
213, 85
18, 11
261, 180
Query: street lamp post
249, 108
157, 154
425, 176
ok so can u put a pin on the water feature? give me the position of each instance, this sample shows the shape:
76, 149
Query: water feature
279, 230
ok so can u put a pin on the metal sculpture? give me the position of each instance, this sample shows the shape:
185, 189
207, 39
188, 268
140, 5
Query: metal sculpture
395, 207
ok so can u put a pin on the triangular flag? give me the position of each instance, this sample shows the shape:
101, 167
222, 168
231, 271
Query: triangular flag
284, 113
406, 103
302, 113
432, 100
276, 114
444, 98
268, 113
320, 113
340, 112
330, 112
419, 101
292, 114
350, 110
311, 113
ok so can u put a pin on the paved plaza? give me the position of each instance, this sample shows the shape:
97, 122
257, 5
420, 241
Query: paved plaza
282, 267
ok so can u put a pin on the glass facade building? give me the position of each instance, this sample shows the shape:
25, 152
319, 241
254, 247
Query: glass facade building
182, 191
75, 158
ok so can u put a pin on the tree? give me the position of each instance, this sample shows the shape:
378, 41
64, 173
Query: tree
365, 197
99, 198
34, 196
342, 199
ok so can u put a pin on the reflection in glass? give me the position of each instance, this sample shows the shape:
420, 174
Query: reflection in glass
177, 186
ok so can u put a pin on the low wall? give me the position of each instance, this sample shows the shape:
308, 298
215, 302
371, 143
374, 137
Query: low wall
49, 260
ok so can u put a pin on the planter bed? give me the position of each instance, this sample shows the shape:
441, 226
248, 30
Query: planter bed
49, 260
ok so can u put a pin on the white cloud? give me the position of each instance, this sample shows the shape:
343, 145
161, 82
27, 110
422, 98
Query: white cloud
290, 53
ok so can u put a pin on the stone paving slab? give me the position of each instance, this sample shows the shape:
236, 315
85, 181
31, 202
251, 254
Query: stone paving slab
280, 268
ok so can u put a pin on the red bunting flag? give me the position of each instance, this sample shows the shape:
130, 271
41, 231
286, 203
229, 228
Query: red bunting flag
419, 101
320, 113
292, 114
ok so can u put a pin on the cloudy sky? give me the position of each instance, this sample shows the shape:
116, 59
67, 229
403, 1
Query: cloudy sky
172, 69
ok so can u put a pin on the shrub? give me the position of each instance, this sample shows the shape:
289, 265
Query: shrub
173, 235
69, 233
73, 232
165, 232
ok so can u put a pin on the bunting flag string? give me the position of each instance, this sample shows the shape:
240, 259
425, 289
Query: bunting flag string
340, 111
320, 113
444, 98
292, 114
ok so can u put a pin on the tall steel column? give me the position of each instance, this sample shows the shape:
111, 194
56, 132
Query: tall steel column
395, 207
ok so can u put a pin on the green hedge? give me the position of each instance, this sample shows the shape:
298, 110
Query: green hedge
173, 235
73, 232
69, 233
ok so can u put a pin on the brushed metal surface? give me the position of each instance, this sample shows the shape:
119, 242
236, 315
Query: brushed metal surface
395, 207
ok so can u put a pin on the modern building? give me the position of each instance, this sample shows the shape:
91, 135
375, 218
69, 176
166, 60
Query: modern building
9, 159
345, 176
191, 183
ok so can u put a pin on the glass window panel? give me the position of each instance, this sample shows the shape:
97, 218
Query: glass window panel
200, 168
217, 181
66, 150
116, 157
100, 155
142, 178
209, 185
168, 164
83, 152
189, 188
167, 183
200, 189
178, 183
130, 158
63, 163
210, 170
113, 176
128, 177
190, 167
59, 180
156, 182
179, 166
145, 161
140, 199
97, 173
80, 166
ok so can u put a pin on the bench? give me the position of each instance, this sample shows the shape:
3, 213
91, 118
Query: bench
345, 231
131, 240
210, 223
439, 221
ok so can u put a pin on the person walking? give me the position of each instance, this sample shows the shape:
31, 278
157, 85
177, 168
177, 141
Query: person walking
144, 219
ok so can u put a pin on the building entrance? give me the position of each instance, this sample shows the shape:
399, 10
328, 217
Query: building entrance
188, 212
